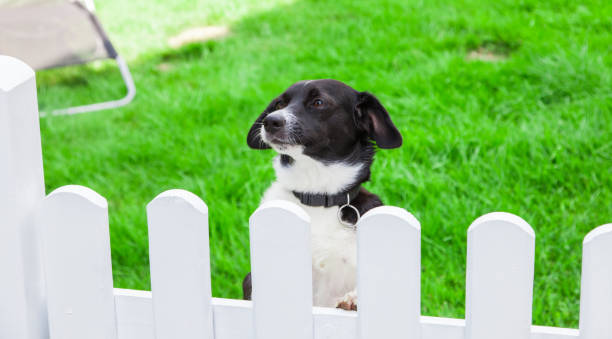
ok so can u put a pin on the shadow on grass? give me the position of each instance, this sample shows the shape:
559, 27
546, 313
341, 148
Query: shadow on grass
334, 36
101, 80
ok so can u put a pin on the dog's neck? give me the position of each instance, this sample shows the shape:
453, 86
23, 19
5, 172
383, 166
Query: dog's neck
300, 173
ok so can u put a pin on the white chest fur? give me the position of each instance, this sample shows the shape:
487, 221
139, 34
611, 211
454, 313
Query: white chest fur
333, 246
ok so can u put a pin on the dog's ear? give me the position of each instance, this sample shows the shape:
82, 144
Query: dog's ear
373, 117
254, 137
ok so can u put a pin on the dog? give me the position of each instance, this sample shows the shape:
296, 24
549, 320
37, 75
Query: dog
326, 134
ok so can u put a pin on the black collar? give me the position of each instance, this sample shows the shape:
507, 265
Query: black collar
327, 200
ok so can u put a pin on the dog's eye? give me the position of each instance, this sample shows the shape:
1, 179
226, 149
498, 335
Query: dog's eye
280, 105
317, 103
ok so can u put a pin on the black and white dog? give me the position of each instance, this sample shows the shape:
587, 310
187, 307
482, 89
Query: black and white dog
325, 133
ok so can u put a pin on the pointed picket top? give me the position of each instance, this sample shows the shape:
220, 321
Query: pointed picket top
76, 253
596, 286
499, 277
180, 266
180, 196
281, 205
82, 193
598, 234
14, 73
392, 211
503, 217
389, 274
281, 266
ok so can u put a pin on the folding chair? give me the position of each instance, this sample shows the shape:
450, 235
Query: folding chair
55, 33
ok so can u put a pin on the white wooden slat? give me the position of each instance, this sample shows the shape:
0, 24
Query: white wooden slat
180, 266
443, 328
499, 287
76, 252
233, 319
389, 274
134, 311
281, 266
596, 287
23, 313
334, 323
546, 332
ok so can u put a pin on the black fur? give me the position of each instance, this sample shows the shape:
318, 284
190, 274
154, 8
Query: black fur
247, 287
286, 160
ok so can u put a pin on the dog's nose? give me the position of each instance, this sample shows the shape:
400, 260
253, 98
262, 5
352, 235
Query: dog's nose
274, 123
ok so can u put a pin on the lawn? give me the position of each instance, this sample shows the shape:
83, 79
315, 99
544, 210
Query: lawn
527, 132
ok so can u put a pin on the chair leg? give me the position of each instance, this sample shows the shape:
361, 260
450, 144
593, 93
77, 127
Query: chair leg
131, 92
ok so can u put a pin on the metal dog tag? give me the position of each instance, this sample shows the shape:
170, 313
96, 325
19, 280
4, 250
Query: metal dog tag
348, 205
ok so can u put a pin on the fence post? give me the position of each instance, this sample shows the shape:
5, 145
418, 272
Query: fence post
389, 274
596, 289
180, 266
22, 306
77, 260
281, 267
499, 277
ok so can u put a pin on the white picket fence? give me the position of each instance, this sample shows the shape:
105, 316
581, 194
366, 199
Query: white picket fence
57, 278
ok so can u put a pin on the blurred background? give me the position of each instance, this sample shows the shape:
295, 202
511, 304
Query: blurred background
503, 105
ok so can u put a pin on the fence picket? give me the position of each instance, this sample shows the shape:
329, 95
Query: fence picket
76, 252
281, 272
596, 286
389, 274
180, 266
499, 284
22, 188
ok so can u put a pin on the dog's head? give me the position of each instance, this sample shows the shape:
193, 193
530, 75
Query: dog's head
325, 120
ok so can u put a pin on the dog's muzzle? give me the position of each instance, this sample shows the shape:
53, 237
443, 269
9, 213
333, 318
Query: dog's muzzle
274, 123
278, 127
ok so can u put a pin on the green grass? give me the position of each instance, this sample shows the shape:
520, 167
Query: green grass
530, 135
